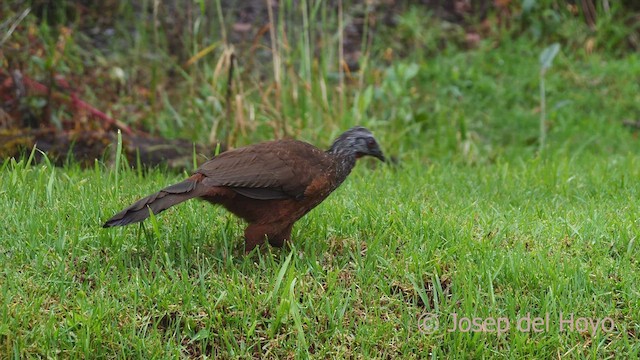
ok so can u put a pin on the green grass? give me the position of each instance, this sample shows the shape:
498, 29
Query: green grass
502, 240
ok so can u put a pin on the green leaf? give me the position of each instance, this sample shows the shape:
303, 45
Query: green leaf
547, 55
410, 71
202, 334
528, 5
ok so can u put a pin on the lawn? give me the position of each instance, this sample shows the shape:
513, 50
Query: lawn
505, 240
476, 241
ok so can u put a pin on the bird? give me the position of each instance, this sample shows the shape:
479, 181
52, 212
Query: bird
270, 185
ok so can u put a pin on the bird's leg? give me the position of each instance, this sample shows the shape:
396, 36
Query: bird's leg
254, 235
278, 239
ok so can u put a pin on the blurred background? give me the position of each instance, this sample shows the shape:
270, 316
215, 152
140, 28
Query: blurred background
461, 80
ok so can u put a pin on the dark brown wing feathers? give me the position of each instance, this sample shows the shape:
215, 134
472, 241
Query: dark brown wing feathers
270, 170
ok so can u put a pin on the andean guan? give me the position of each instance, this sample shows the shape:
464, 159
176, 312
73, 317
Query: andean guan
270, 185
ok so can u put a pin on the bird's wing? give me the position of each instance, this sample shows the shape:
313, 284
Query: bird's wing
271, 170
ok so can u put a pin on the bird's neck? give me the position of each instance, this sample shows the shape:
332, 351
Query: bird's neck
344, 160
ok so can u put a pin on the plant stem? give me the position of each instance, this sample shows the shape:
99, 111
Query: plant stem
543, 106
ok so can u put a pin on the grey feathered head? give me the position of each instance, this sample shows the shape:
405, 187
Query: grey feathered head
357, 141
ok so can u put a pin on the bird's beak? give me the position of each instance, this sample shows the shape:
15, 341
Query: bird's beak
378, 154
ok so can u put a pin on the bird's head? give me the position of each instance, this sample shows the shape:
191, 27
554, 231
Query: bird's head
357, 141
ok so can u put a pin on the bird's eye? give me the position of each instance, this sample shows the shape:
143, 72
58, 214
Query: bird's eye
371, 143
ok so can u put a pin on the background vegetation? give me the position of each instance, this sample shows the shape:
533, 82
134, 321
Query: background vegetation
478, 216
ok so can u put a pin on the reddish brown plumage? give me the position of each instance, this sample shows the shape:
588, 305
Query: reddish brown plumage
270, 185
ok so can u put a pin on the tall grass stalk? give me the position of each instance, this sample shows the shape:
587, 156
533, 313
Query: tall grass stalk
546, 60
275, 53
341, 62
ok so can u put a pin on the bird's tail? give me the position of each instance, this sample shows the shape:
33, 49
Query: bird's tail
157, 202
